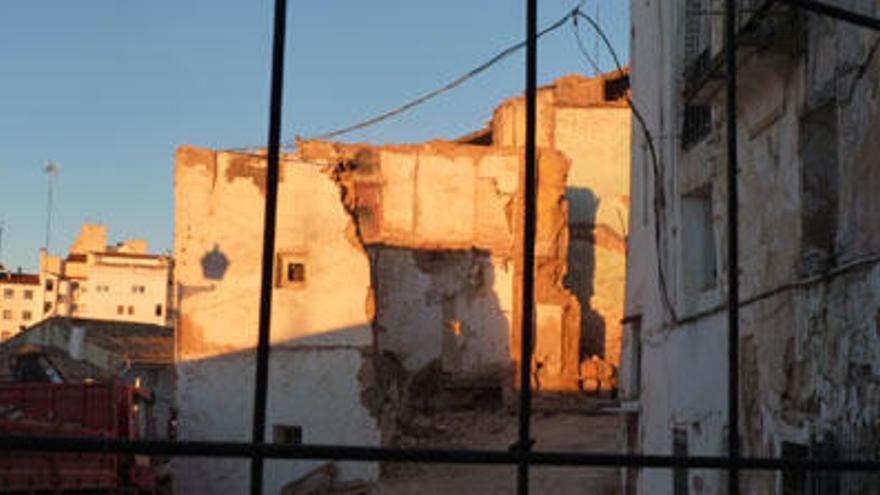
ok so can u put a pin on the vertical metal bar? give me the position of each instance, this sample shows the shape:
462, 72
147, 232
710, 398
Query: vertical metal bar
528, 284
732, 244
270, 213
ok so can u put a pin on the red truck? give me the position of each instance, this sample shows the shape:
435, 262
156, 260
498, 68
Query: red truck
106, 410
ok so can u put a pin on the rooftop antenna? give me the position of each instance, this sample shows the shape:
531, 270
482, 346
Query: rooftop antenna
51, 171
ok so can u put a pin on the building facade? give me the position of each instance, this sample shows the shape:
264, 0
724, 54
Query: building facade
809, 279
21, 302
121, 282
588, 121
396, 278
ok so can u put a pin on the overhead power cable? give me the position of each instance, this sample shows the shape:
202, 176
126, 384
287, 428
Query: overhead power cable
659, 194
452, 85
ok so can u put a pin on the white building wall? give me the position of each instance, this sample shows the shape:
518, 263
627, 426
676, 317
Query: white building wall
802, 333
124, 288
319, 331
20, 306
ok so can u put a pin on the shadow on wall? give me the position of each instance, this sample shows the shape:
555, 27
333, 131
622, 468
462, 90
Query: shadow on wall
322, 390
581, 275
440, 320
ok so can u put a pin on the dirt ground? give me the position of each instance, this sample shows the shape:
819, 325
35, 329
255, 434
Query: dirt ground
567, 432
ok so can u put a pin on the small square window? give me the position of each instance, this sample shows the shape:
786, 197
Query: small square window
287, 434
120, 310
291, 271
7, 314
296, 272
29, 294
26, 315
8, 293
131, 310
50, 285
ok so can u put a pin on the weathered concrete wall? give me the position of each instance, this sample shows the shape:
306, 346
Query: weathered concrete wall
320, 329
393, 263
809, 343
440, 197
446, 307
315, 388
593, 132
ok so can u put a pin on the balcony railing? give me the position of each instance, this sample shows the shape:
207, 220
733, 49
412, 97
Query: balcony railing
761, 24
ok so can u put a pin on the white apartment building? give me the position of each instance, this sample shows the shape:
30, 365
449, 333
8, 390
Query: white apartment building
96, 281
20, 302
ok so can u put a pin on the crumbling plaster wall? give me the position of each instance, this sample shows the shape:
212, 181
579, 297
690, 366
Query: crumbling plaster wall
403, 247
321, 331
575, 119
441, 221
809, 342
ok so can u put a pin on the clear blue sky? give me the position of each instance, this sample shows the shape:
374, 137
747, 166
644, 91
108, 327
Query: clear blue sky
108, 89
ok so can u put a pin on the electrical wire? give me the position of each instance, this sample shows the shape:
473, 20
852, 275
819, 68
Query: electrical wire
659, 193
446, 88
581, 47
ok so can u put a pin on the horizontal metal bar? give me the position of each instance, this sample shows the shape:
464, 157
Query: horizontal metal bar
15, 443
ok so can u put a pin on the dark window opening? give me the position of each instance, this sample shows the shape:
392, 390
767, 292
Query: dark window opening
287, 434
617, 88
819, 191
290, 271
296, 272
50, 285
825, 482
679, 450
697, 124
700, 263
794, 481
158, 310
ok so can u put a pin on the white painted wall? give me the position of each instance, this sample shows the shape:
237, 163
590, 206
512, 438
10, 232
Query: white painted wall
319, 331
21, 305
798, 333
127, 288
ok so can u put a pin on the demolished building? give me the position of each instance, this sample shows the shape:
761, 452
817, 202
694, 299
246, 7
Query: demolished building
396, 278
809, 280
